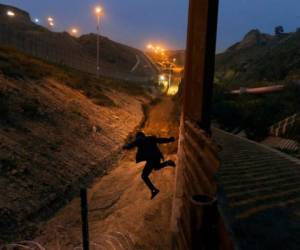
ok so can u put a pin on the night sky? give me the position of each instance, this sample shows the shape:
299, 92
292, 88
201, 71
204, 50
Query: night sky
136, 22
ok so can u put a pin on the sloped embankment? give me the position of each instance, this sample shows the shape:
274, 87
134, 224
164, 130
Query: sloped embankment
121, 213
55, 137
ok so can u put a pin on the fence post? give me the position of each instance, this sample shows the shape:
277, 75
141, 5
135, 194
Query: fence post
84, 219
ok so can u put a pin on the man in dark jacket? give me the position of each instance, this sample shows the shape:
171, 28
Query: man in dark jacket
148, 151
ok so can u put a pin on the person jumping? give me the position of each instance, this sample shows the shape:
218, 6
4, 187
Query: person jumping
148, 151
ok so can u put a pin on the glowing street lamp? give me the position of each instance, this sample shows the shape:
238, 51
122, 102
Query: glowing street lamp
74, 31
162, 78
150, 46
50, 21
36, 20
10, 13
98, 11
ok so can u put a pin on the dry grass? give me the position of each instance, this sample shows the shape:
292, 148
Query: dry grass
17, 65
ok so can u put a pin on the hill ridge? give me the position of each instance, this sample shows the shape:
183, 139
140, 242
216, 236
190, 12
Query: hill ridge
116, 59
260, 59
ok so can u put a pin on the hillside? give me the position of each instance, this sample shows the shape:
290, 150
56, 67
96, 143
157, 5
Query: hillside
260, 59
59, 129
116, 60
115, 56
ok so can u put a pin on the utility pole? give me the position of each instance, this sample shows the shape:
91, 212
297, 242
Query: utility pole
98, 45
84, 219
98, 12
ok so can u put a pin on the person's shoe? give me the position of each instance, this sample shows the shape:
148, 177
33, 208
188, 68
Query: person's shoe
154, 193
171, 163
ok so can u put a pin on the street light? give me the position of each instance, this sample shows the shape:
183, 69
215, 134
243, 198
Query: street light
150, 46
10, 13
50, 21
74, 31
162, 77
98, 12
36, 20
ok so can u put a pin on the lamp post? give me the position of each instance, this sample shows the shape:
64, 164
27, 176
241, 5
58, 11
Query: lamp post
98, 12
170, 75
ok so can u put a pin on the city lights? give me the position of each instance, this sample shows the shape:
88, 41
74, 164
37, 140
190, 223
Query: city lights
157, 49
173, 90
162, 77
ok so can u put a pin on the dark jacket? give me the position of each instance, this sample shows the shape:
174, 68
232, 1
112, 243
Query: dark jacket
147, 148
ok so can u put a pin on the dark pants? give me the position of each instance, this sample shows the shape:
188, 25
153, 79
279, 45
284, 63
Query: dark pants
150, 165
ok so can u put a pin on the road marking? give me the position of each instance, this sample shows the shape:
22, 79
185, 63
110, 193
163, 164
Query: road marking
138, 60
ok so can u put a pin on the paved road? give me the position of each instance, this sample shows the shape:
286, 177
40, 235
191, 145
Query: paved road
138, 61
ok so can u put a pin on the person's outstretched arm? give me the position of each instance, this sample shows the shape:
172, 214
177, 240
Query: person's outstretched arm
130, 145
165, 140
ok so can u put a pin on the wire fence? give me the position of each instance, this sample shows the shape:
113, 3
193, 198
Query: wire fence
59, 49
282, 127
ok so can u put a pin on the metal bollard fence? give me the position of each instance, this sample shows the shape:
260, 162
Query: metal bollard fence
84, 219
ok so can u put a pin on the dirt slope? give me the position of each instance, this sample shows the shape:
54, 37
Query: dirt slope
58, 130
121, 212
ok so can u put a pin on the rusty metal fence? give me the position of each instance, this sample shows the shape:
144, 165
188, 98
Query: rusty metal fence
196, 167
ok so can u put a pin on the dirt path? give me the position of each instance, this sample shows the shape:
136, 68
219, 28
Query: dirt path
121, 214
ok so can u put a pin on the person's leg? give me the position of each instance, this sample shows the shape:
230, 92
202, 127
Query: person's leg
164, 164
145, 176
